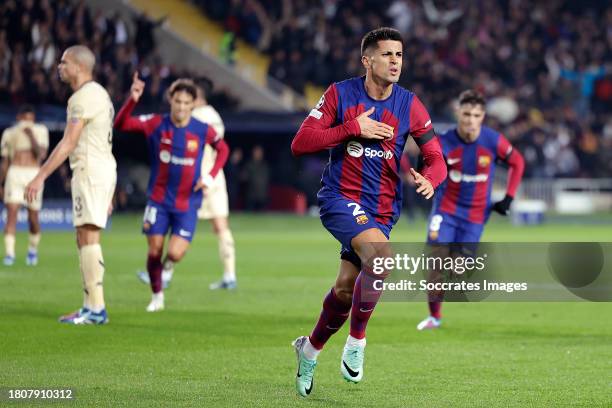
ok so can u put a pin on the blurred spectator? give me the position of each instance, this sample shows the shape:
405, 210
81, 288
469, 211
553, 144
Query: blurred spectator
227, 48
257, 179
232, 172
145, 36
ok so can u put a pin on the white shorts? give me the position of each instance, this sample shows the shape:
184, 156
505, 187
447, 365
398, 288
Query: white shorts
17, 178
215, 203
91, 196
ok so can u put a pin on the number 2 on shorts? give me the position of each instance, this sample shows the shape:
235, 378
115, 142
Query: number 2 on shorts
357, 210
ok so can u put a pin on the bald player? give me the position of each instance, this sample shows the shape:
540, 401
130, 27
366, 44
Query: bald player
87, 141
24, 146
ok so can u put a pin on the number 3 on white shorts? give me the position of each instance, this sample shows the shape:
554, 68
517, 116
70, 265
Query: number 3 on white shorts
436, 221
150, 214
357, 210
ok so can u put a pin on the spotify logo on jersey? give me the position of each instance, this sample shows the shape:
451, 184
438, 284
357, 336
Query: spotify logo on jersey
165, 156
354, 149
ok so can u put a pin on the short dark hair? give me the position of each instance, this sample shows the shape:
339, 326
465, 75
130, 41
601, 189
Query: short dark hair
372, 38
26, 108
472, 97
204, 84
183, 85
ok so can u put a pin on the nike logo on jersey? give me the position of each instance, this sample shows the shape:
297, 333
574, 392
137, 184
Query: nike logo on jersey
453, 161
348, 370
184, 233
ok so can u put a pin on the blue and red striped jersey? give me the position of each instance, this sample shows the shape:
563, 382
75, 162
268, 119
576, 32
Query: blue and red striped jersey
466, 193
176, 155
176, 159
362, 170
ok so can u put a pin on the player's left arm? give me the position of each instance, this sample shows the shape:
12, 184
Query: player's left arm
421, 129
4, 165
66, 145
516, 166
222, 149
217, 124
37, 149
5, 154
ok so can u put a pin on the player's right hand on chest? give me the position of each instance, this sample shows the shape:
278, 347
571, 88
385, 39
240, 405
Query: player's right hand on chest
372, 129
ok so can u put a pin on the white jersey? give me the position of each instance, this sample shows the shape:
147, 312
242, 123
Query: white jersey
14, 139
94, 149
211, 117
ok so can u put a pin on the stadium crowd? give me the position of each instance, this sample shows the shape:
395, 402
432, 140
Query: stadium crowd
33, 33
544, 67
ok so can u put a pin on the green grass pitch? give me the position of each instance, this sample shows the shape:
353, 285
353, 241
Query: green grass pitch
233, 349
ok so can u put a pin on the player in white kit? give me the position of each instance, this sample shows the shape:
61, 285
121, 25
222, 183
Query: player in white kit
87, 141
24, 146
215, 206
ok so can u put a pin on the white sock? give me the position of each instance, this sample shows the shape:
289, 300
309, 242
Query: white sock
168, 266
227, 254
9, 245
310, 351
33, 242
167, 269
86, 303
92, 267
351, 341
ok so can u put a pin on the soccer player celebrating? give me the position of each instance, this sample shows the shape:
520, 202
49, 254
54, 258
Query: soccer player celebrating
365, 123
88, 140
215, 206
463, 204
176, 147
24, 147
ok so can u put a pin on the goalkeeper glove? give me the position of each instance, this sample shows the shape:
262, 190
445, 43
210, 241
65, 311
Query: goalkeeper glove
503, 206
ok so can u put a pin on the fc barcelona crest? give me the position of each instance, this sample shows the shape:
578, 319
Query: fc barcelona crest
484, 161
192, 145
361, 219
